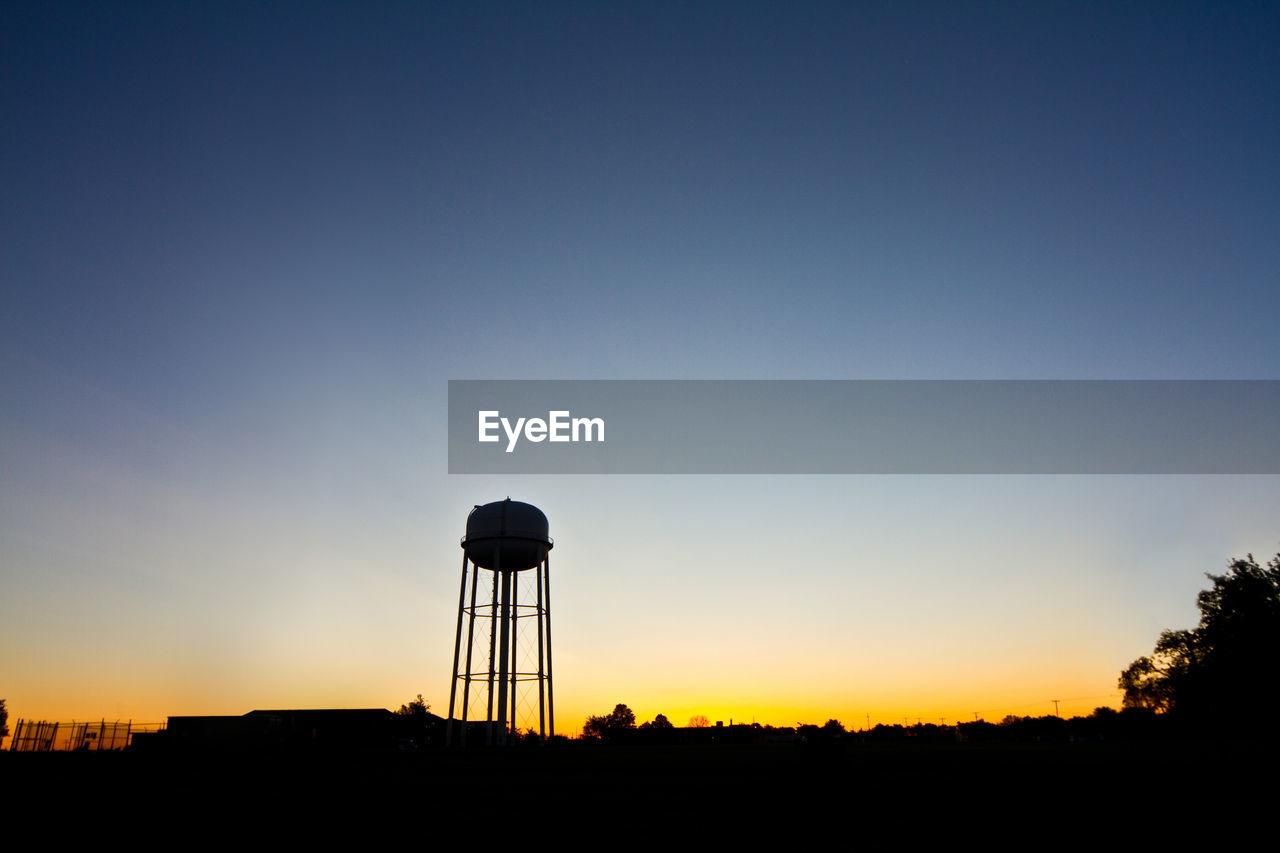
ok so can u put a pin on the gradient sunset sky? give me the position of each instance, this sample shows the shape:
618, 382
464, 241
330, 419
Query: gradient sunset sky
247, 245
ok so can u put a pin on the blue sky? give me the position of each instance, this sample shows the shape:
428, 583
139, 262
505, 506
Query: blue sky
247, 247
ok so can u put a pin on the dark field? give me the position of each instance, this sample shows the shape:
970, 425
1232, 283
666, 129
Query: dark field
1123, 780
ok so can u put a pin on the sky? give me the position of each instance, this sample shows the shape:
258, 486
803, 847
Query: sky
247, 246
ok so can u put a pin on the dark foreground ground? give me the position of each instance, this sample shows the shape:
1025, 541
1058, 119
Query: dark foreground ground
1062, 783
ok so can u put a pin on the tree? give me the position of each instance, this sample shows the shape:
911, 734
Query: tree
699, 722
4, 721
416, 708
1226, 666
658, 722
1153, 682
621, 717
611, 726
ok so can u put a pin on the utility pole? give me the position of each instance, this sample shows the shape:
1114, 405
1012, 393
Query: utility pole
1055, 707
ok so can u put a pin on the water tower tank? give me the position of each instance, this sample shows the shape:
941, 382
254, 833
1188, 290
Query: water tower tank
507, 536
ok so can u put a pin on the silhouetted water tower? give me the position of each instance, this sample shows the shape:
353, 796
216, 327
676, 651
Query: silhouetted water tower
504, 538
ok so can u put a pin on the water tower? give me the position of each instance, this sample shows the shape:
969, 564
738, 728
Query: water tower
503, 539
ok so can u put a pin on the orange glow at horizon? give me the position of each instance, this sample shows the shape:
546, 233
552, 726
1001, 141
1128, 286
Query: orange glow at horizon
66, 705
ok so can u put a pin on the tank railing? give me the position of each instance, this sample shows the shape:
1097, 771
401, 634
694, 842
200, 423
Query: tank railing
548, 540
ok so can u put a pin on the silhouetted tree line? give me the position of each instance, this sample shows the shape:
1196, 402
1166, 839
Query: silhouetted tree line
1102, 724
1226, 670
619, 726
